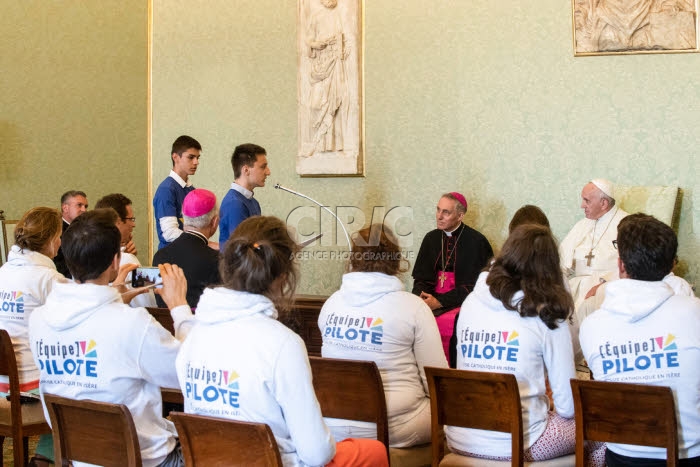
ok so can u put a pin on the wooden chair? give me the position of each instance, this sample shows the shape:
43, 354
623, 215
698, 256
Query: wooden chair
163, 316
351, 390
212, 442
18, 421
165, 319
605, 412
8, 235
481, 400
94, 432
305, 311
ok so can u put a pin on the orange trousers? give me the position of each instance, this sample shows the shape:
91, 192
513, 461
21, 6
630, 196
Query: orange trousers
356, 452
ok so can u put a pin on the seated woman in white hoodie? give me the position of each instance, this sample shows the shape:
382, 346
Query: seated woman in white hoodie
396, 330
25, 281
239, 362
516, 321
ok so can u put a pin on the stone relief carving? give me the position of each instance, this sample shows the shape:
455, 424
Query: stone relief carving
329, 83
610, 26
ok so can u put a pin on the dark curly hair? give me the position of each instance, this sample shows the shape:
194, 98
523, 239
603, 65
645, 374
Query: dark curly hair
647, 247
529, 261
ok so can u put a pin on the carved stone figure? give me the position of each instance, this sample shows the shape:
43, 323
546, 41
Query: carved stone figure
629, 25
328, 106
329, 83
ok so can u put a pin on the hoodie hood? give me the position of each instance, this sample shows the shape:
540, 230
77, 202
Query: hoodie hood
19, 257
363, 288
482, 292
221, 304
635, 299
70, 304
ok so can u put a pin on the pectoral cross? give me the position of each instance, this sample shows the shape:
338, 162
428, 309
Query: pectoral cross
442, 277
589, 257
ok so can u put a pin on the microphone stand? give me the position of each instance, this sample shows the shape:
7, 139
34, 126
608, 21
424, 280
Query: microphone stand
288, 190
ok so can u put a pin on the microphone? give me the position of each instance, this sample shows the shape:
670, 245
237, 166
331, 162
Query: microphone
288, 190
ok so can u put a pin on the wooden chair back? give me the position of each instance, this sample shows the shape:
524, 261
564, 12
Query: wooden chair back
625, 413
213, 442
351, 390
474, 399
94, 432
163, 316
8, 235
16, 426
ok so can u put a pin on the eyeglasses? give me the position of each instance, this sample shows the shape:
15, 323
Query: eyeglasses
614, 242
132, 219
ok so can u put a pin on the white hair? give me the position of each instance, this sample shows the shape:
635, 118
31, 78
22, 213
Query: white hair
202, 221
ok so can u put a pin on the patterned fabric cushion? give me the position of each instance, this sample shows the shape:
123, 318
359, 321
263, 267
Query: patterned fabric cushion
658, 201
454, 460
31, 413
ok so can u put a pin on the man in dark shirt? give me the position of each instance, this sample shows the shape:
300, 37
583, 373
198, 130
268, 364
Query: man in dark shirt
191, 251
73, 204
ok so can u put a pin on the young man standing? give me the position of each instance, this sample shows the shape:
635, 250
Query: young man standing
250, 169
167, 202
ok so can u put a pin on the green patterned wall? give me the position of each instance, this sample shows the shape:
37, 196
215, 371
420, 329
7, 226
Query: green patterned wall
73, 100
478, 96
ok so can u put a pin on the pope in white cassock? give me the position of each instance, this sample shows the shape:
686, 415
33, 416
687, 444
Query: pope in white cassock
587, 253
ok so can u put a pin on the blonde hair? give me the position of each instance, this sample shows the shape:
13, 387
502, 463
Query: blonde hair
37, 228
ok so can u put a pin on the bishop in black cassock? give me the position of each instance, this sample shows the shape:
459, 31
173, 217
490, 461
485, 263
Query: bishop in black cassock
449, 262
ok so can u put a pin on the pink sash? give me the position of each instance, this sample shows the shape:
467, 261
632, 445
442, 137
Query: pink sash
445, 282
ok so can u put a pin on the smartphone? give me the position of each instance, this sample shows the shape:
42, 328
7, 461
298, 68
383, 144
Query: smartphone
146, 277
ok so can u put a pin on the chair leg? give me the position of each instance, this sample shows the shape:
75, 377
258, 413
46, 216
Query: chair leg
2, 451
25, 448
18, 451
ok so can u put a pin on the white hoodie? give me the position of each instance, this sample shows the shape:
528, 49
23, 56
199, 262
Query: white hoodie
25, 282
89, 345
147, 299
372, 318
645, 334
494, 339
239, 363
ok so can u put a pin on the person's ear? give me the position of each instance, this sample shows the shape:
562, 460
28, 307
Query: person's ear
621, 268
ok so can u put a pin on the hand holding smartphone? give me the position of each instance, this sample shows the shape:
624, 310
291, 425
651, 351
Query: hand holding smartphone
146, 277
